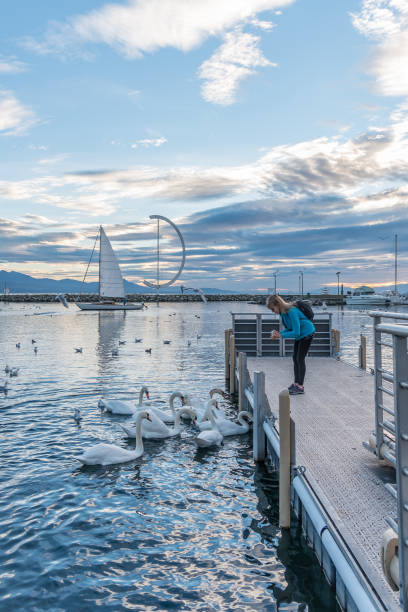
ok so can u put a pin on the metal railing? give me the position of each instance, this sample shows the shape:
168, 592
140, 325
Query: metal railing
252, 335
383, 386
391, 435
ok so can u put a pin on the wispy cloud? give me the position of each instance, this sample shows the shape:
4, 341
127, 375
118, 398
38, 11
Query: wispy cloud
386, 23
234, 61
15, 118
149, 142
11, 65
143, 26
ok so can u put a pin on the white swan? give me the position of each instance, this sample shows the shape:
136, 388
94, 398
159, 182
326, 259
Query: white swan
168, 416
109, 454
213, 437
230, 428
124, 407
201, 407
156, 429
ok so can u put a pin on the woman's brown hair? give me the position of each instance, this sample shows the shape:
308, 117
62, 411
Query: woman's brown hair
276, 300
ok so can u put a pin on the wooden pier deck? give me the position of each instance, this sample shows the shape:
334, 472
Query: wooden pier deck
333, 418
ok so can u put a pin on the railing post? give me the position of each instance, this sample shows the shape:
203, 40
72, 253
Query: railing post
227, 335
242, 369
232, 364
363, 352
259, 446
259, 335
281, 340
378, 394
284, 459
401, 454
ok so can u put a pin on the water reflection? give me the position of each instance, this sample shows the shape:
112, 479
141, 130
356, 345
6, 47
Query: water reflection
110, 327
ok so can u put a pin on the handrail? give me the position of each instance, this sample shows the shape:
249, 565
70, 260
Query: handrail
386, 314
395, 330
271, 314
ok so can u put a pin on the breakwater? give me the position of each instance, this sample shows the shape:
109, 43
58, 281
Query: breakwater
316, 299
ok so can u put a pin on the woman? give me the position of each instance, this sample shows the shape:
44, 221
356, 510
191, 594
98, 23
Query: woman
299, 327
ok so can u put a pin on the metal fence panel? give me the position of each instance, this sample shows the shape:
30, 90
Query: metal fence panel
252, 335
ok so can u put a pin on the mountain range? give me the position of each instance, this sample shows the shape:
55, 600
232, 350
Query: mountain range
22, 283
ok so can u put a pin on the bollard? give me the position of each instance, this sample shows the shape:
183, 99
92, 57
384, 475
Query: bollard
242, 369
337, 341
227, 334
232, 364
363, 352
259, 446
284, 459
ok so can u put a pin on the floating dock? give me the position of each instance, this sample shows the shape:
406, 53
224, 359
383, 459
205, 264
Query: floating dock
337, 488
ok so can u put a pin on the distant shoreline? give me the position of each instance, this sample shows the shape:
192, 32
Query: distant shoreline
167, 297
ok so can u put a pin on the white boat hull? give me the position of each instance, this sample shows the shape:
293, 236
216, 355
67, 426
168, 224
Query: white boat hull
96, 306
367, 300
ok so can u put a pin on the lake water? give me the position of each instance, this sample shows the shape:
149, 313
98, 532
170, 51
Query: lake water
178, 528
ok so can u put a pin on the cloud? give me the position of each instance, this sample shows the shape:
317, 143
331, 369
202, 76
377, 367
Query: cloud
11, 65
233, 61
386, 23
149, 142
14, 117
320, 204
143, 26
326, 169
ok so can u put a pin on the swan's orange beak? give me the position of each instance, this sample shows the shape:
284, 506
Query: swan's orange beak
183, 401
216, 405
194, 421
148, 417
147, 395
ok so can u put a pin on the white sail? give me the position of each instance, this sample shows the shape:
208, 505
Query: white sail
110, 276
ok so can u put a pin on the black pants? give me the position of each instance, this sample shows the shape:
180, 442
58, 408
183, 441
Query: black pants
300, 351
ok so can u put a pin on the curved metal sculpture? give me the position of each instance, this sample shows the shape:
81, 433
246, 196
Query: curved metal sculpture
157, 285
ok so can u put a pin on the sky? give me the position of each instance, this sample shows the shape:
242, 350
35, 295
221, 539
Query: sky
274, 134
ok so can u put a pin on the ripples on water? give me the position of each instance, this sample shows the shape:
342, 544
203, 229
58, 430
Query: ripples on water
176, 529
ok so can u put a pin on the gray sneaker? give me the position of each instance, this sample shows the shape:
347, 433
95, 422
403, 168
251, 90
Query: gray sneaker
292, 386
295, 390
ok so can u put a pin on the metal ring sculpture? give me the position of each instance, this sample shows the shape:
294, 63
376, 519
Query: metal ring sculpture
157, 285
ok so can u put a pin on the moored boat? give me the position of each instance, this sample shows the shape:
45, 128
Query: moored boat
366, 296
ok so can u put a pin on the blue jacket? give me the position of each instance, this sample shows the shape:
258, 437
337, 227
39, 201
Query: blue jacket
297, 325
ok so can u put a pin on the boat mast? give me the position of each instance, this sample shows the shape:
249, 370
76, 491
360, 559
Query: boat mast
158, 260
99, 263
395, 262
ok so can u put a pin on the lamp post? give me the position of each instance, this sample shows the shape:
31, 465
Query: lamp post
301, 281
338, 282
275, 274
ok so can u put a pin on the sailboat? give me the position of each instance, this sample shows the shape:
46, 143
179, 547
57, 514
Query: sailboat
110, 280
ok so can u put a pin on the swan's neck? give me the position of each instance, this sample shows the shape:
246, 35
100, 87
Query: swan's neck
212, 419
139, 439
177, 417
241, 419
172, 398
141, 395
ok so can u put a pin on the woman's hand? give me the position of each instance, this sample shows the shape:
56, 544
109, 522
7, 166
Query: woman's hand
275, 335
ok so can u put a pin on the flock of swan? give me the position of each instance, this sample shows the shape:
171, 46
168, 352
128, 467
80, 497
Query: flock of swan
151, 421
